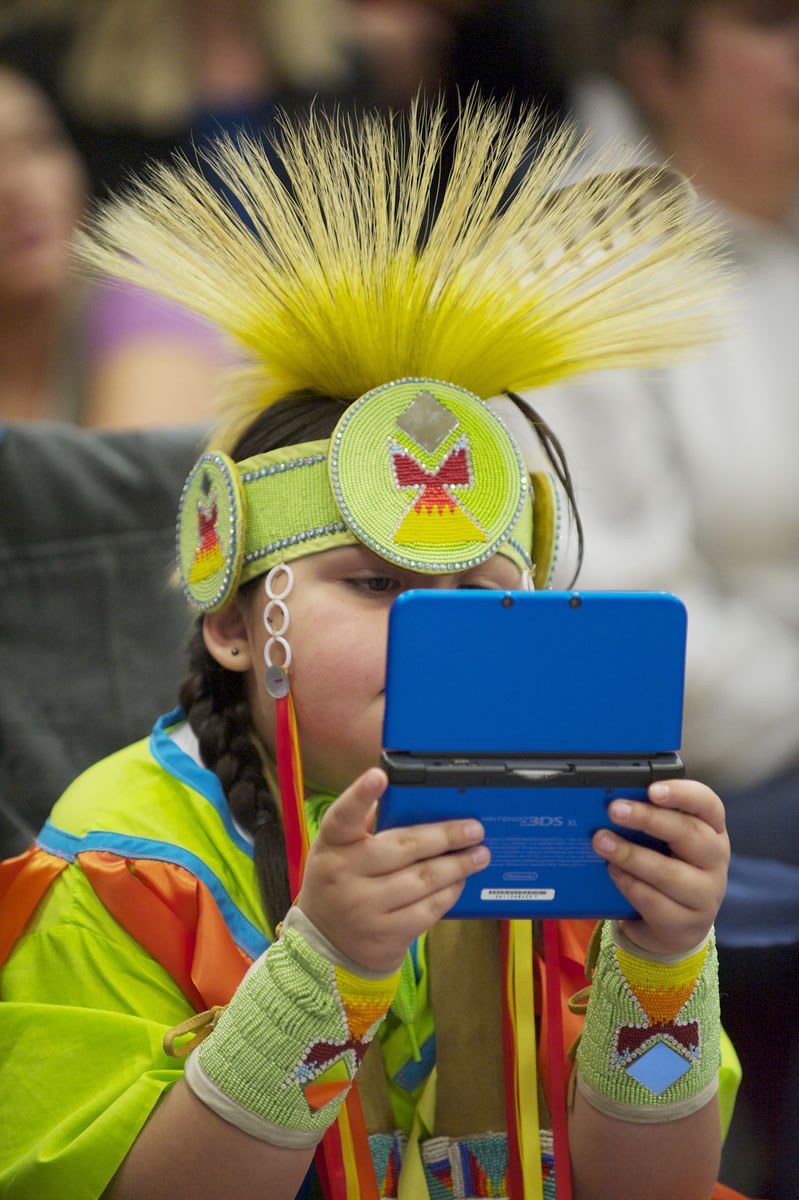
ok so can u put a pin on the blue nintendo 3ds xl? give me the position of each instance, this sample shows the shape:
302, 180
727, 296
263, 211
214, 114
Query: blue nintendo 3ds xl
531, 711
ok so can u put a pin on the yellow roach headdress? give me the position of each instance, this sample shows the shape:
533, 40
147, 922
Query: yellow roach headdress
349, 276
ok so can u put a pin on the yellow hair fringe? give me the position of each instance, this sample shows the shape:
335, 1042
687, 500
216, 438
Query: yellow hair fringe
345, 281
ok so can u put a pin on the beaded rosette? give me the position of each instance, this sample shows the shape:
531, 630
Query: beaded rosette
428, 477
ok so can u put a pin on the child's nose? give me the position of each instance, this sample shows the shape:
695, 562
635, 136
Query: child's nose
438, 582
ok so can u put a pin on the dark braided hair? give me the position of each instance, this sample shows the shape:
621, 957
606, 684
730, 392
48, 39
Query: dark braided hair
215, 699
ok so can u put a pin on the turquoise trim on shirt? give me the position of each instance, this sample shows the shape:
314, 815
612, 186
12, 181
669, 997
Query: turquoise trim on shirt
57, 841
182, 766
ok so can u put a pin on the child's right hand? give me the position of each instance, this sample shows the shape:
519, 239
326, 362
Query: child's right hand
371, 894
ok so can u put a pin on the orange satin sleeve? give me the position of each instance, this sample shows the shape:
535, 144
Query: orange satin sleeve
175, 918
23, 881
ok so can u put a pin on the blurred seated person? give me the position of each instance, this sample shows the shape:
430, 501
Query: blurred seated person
73, 349
42, 191
138, 79
708, 446
405, 45
688, 483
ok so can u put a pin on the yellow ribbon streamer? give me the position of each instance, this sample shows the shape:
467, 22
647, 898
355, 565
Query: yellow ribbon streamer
412, 1182
522, 1013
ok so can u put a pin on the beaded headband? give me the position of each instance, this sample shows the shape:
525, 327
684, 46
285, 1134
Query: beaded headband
422, 472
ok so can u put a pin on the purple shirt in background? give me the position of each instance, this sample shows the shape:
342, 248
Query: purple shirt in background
119, 313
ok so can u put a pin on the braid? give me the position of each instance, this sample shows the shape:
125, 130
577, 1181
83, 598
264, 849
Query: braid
216, 706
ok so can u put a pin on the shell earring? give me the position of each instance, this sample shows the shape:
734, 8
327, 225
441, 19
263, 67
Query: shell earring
278, 585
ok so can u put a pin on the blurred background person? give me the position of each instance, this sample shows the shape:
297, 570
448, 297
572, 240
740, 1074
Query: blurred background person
42, 193
72, 349
688, 482
507, 48
138, 79
405, 45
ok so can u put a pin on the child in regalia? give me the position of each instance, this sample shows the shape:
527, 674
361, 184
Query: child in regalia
218, 979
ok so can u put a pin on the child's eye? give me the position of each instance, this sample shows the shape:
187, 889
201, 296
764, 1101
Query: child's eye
374, 584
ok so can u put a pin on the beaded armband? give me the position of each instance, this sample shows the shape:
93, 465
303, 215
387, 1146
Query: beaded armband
650, 1049
284, 1053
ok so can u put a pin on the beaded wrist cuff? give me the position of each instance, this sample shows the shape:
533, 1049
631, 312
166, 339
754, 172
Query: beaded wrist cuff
286, 1050
650, 1049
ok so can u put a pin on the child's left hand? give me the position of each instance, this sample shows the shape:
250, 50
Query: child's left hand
678, 897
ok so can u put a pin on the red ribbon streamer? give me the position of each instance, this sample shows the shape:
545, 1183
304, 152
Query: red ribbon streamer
557, 1080
346, 1142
